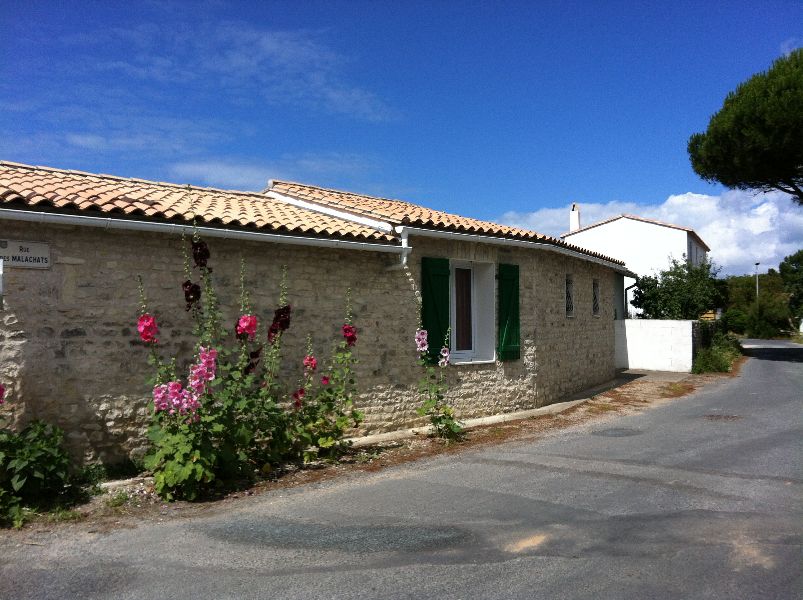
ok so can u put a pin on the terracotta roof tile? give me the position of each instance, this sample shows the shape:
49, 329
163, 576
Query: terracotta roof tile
75, 190
400, 212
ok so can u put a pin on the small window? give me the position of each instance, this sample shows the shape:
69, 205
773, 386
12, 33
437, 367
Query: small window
569, 296
595, 299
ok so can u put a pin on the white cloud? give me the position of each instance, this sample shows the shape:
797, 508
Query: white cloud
236, 60
116, 131
311, 168
740, 227
791, 44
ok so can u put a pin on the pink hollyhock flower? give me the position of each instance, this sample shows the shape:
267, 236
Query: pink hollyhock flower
203, 371
310, 362
421, 344
325, 380
160, 401
350, 333
2, 393
189, 403
444, 357
148, 330
207, 357
247, 325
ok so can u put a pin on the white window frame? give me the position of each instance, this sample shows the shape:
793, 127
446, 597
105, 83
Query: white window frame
483, 313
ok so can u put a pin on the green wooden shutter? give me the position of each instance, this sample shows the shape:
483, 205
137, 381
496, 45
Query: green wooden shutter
508, 288
435, 302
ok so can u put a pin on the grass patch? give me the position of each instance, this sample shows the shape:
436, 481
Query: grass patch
118, 499
676, 389
602, 408
62, 515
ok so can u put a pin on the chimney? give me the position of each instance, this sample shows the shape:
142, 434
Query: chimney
574, 218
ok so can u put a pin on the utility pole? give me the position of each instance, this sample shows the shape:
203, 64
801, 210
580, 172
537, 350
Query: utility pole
757, 282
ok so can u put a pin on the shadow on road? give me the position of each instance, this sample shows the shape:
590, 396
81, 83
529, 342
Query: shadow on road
622, 377
781, 354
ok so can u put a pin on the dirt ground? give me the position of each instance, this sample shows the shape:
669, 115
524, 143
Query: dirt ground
127, 505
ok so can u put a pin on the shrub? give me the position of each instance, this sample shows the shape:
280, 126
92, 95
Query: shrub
34, 470
768, 317
718, 357
735, 320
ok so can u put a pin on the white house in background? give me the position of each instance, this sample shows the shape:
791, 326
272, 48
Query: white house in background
646, 246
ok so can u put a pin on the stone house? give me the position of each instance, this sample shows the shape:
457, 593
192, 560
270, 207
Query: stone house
645, 245
531, 317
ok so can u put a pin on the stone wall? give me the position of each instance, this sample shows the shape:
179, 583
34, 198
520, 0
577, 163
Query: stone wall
559, 354
69, 351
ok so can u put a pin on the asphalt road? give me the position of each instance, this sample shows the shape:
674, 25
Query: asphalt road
699, 497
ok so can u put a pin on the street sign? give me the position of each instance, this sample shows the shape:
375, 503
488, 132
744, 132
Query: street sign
18, 254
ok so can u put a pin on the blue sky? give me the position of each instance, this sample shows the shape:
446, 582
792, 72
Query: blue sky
507, 112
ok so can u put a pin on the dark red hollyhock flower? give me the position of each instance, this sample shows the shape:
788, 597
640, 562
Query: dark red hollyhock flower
350, 333
298, 395
281, 322
200, 253
192, 293
282, 317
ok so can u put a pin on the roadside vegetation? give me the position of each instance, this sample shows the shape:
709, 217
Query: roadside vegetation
776, 311
38, 478
719, 349
685, 291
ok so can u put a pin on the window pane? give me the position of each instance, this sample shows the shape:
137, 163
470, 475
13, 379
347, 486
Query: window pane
462, 294
596, 297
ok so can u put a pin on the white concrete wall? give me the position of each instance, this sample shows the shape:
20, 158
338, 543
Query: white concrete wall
654, 345
646, 248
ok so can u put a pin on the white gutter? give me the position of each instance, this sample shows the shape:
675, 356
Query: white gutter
485, 239
332, 212
189, 230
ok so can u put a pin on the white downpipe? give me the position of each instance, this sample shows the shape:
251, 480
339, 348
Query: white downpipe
332, 212
402, 231
485, 239
175, 228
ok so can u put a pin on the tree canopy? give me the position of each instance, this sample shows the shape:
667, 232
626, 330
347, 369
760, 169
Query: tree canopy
755, 141
683, 291
791, 269
764, 317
